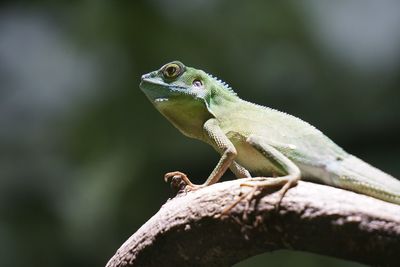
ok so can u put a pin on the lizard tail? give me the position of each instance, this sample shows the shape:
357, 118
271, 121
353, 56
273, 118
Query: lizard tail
358, 176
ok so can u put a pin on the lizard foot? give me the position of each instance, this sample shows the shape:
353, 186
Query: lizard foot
170, 176
249, 196
180, 182
259, 184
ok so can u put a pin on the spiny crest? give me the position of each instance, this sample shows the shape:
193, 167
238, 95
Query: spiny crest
222, 83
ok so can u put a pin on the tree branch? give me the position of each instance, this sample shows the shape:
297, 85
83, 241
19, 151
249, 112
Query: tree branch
187, 230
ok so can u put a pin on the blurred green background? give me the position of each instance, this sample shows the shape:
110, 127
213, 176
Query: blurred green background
83, 152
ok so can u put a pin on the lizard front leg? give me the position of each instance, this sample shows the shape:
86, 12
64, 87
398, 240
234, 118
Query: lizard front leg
217, 138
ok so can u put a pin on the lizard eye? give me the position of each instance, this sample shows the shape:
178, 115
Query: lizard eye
171, 71
197, 83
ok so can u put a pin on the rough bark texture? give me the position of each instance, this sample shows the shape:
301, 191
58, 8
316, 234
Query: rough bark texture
187, 230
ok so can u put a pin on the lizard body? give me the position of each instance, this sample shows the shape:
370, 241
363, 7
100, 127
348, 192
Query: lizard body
257, 140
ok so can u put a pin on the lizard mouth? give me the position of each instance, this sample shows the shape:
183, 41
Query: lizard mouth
158, 91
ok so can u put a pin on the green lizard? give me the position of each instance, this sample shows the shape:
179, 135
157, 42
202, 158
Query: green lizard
256, 140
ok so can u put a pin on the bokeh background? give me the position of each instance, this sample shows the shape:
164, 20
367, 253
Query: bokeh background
83, 152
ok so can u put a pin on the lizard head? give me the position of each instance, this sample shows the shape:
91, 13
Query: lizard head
183, 94
174, 80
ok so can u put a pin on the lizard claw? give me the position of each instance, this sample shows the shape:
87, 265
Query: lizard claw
169, 176
180, 181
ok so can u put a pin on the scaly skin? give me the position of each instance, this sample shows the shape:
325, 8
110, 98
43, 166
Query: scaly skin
257, 140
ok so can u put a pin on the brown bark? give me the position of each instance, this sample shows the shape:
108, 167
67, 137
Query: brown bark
188, 231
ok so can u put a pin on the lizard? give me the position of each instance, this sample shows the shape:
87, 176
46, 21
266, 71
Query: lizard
271, 147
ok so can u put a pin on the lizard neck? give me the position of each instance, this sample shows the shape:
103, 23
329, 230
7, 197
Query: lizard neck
221, 105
